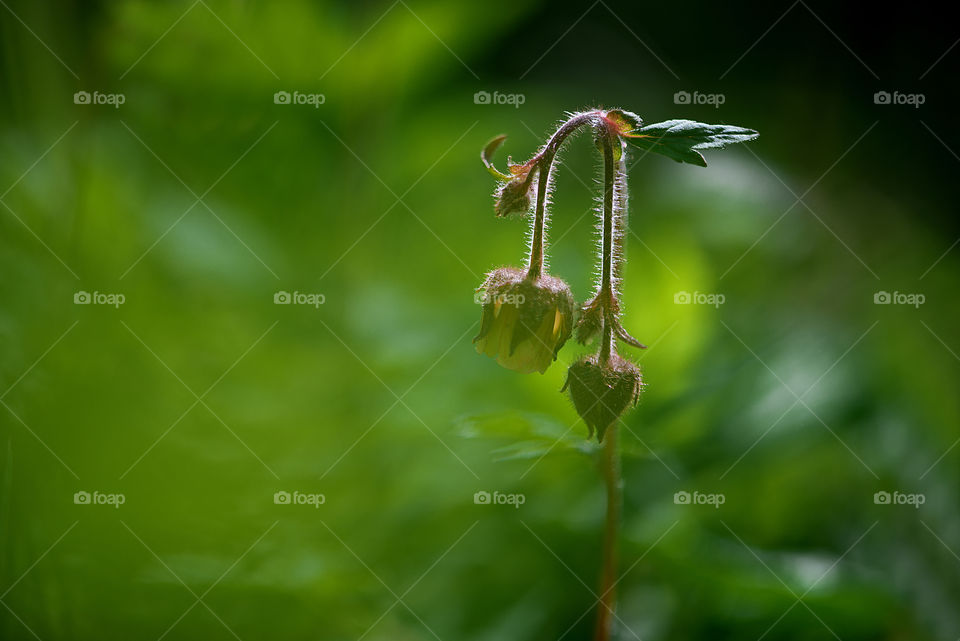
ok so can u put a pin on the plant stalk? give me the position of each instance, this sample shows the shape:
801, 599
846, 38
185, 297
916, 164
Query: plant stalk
606, 268
611, 452
544, 162
536, 245
611, 535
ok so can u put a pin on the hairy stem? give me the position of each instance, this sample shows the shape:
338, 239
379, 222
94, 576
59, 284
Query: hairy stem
620, 196
537, 242
606, 269
544, 161
608, 577
611, 453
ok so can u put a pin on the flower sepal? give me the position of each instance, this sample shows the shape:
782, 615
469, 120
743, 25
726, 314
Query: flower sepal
525, 321
601, 393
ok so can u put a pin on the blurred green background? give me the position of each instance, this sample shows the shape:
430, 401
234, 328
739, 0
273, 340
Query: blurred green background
198, 398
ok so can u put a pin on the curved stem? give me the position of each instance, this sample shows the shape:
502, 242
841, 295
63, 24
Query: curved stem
608, 577
544, 161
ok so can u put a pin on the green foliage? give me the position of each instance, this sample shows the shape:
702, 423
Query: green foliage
487, 156
681, 140
319, 413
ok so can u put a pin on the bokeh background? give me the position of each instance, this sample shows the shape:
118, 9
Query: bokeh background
198, 398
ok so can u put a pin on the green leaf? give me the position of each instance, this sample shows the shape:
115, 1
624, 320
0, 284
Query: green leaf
524, 435
486, 156
516, 435
680, 139
625, 121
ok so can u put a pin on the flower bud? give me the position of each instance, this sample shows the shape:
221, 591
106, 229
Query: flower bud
602, 393
525, 323
513, 197
515, 191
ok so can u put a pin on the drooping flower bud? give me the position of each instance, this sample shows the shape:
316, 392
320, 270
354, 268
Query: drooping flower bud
525, 322
515, 190
513, 197
601, 394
